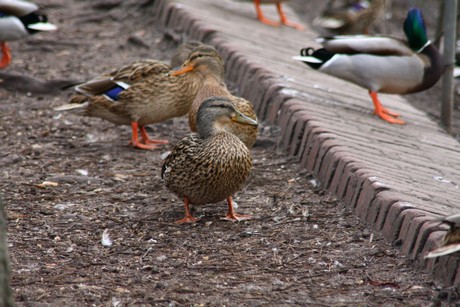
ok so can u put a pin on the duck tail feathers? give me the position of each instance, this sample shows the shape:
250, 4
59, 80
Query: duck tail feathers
71, 106
314, 58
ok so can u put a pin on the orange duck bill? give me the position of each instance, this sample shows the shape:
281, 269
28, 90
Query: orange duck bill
182, 70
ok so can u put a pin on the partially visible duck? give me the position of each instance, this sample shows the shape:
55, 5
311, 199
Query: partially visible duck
139, 94
182, 52
451, 241
283, 18
214, 85
381, 64
354, 18
18, 20
210, 165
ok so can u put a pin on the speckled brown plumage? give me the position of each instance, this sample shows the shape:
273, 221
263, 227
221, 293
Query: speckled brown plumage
183, 52
209, 166
348, 19
214, 85
151, 95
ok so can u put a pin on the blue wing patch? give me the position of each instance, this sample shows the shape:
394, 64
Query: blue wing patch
113, 93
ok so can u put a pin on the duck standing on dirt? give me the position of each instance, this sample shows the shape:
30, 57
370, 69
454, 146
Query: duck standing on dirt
451, 241
18, 20
283, 18
214, 85
381, 64
139, 94
212, 164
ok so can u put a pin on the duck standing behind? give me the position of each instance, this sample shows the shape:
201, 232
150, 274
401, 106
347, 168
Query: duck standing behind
354, 18
209, 166
214, 85
381, 64
19, 19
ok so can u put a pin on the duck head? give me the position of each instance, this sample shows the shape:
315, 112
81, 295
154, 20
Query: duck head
215, 112
204, 60
414, 28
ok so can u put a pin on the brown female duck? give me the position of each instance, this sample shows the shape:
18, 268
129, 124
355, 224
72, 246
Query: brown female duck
138, 94
214, 85
352, 18
209, 166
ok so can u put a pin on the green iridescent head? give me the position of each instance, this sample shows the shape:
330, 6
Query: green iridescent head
415, 30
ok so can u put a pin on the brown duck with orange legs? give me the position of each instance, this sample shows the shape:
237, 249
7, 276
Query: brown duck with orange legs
139, 94
210, 165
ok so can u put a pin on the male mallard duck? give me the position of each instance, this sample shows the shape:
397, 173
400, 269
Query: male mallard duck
19, 19
138, 94
283, 18
451, 240
354, 18
209, 166
214, 85
381, 64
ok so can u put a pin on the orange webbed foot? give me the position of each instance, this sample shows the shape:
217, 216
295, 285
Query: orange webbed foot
391, 113
236, 217
143, 146
188, 216
232, 215
388, 118
293, 25
261, 17
285, 21
383, 113
6, 55
147, 140
269, 22
187, 219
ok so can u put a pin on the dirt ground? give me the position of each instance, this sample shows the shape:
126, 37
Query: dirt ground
303, 247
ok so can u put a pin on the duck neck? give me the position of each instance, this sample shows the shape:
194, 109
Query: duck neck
434, 67
208, 128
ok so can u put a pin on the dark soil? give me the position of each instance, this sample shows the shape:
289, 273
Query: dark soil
302, 247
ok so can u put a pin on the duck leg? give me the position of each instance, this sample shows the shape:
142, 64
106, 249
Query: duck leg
147, 140
284, 20
6, 55
135, 138
232, 215
188, 216
383, 113
261, 16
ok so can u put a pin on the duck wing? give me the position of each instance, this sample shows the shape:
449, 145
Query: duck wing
123, 77
376, 45
17, 7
